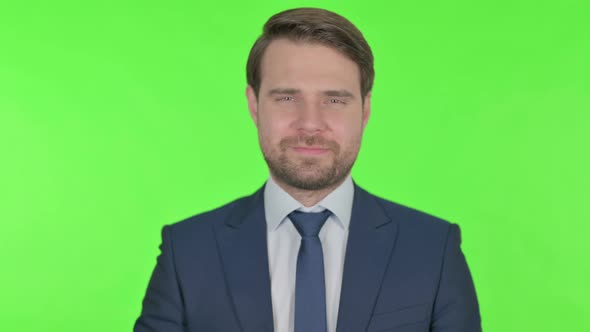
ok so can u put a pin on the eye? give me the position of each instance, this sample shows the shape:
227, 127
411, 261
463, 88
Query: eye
286, 98
335, 101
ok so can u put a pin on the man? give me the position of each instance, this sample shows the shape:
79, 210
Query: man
310, 251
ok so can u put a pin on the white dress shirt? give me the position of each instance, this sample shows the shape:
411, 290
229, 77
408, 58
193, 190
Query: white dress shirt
283, 247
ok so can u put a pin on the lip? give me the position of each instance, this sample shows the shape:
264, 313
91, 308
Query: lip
307, 150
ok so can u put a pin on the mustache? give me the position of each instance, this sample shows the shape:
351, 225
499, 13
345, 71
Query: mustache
307, 140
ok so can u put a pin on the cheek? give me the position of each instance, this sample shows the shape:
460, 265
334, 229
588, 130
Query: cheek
272, 128
347, 129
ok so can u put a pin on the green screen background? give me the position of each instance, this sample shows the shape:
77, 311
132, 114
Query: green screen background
118, 117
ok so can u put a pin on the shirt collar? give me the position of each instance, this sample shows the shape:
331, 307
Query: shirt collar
278, 204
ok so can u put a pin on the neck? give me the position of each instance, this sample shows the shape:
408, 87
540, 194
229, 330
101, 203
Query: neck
308, 198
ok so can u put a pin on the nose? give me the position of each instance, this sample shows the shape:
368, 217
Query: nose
310, 118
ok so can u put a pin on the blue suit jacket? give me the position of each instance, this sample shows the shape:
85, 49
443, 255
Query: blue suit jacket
403, 271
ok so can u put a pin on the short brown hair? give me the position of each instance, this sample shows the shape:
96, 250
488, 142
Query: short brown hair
316, 26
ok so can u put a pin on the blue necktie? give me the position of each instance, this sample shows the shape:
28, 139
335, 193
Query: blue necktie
310, 290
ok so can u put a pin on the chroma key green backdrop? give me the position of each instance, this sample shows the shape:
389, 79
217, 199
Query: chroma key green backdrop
118, 117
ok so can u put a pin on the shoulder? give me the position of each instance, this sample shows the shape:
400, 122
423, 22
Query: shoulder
202, 222
421, 235
410, 219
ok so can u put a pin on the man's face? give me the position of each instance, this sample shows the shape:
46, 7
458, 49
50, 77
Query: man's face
309, 113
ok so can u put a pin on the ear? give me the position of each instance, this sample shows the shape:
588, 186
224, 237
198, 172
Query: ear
366, 109
252, 104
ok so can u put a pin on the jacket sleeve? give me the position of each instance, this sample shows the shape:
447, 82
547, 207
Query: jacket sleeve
163, 305
456, 308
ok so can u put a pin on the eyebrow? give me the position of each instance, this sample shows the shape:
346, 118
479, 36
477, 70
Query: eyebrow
283, 91
338, 93
329, 93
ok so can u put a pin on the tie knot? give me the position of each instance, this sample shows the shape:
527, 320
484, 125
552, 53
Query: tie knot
308, 224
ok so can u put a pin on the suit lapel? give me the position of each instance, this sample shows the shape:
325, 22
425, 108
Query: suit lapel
370, 243
243, 248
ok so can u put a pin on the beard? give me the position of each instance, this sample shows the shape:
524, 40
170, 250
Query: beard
310, 173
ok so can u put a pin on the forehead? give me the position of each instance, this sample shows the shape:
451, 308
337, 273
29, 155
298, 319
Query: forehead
307, 66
